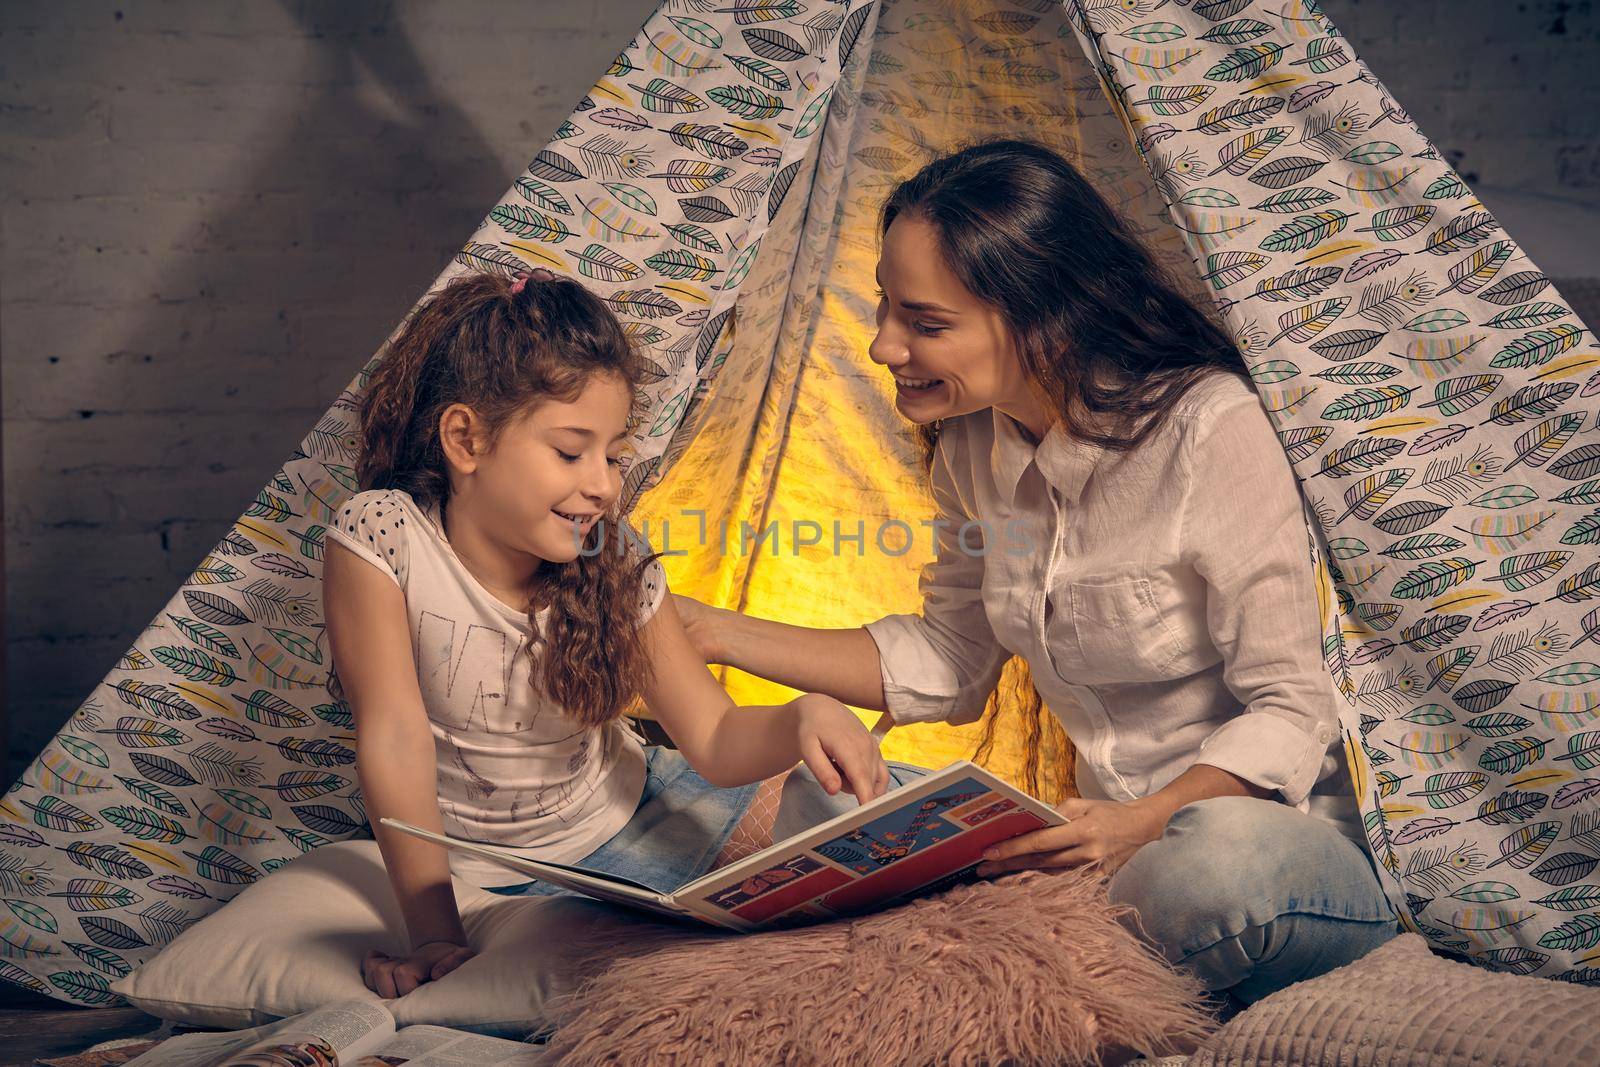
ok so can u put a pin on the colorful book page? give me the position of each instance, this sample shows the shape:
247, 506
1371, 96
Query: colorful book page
925, 846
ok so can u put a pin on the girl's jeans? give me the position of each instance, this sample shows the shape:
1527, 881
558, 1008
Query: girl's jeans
683, 821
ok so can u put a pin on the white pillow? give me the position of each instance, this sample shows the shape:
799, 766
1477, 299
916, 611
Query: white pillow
294, 941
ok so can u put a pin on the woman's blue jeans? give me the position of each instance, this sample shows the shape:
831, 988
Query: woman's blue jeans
1250, 895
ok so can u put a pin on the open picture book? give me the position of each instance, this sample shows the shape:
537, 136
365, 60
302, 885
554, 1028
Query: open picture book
350, 1033
914, 840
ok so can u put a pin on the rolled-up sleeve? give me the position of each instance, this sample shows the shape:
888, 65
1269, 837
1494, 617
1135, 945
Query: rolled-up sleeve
1245, 534
941, 664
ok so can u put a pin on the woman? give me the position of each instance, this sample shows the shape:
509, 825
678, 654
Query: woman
1116, 511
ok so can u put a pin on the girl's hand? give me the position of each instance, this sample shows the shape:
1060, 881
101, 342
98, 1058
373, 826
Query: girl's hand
699, 623
391, 976
838, 749
1103, 832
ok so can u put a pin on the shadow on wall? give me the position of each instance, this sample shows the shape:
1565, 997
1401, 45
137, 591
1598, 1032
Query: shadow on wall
259, 316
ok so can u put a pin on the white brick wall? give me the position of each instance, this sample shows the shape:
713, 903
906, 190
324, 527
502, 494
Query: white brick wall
211, 213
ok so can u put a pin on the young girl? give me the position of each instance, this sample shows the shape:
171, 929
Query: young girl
1152, 573
489, 628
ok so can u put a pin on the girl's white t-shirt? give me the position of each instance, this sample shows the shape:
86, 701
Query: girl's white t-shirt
513, 768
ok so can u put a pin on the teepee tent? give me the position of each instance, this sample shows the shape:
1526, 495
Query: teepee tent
718, 187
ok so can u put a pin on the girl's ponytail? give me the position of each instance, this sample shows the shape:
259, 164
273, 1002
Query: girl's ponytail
420, 375
386, 412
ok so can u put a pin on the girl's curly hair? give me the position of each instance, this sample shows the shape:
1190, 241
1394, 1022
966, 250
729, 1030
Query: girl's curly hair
500, 347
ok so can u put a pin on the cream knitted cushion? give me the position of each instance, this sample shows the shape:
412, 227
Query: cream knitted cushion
1402, 1006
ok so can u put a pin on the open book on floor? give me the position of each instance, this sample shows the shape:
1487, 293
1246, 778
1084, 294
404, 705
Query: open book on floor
914, 840
350, 1033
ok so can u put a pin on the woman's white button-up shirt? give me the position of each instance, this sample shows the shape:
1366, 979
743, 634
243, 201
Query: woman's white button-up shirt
1164, 599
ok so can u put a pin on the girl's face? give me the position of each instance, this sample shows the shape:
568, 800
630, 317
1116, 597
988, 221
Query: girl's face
949, 352
553, 472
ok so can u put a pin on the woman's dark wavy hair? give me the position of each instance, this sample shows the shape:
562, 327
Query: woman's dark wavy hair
1106, 340
479, 343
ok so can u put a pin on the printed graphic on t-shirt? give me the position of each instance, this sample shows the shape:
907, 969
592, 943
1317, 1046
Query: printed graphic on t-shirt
470, 671
478, 786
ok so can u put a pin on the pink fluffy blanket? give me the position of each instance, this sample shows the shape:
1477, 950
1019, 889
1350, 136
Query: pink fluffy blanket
1032, 968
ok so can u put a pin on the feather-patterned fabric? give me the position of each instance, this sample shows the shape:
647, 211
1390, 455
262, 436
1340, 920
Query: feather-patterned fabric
1432, 389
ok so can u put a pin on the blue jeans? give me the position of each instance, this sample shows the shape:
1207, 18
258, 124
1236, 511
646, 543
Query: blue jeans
680, 825
1252, 895
805, 804
683, 821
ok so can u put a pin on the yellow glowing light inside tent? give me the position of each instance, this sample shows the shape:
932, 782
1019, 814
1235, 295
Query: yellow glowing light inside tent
817, 445
799, 426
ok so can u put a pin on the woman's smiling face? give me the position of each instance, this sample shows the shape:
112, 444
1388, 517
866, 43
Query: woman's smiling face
950, 353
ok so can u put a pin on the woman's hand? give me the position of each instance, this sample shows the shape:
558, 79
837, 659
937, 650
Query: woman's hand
392, 976
839, 750
700, 624
1103, 832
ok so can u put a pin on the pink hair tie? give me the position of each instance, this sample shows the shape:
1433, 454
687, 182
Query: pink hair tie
537, 273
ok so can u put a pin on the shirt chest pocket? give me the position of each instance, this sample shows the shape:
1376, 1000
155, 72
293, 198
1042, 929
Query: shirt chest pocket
1113, 631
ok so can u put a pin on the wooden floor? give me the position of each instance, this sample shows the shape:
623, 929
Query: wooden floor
33, 1025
